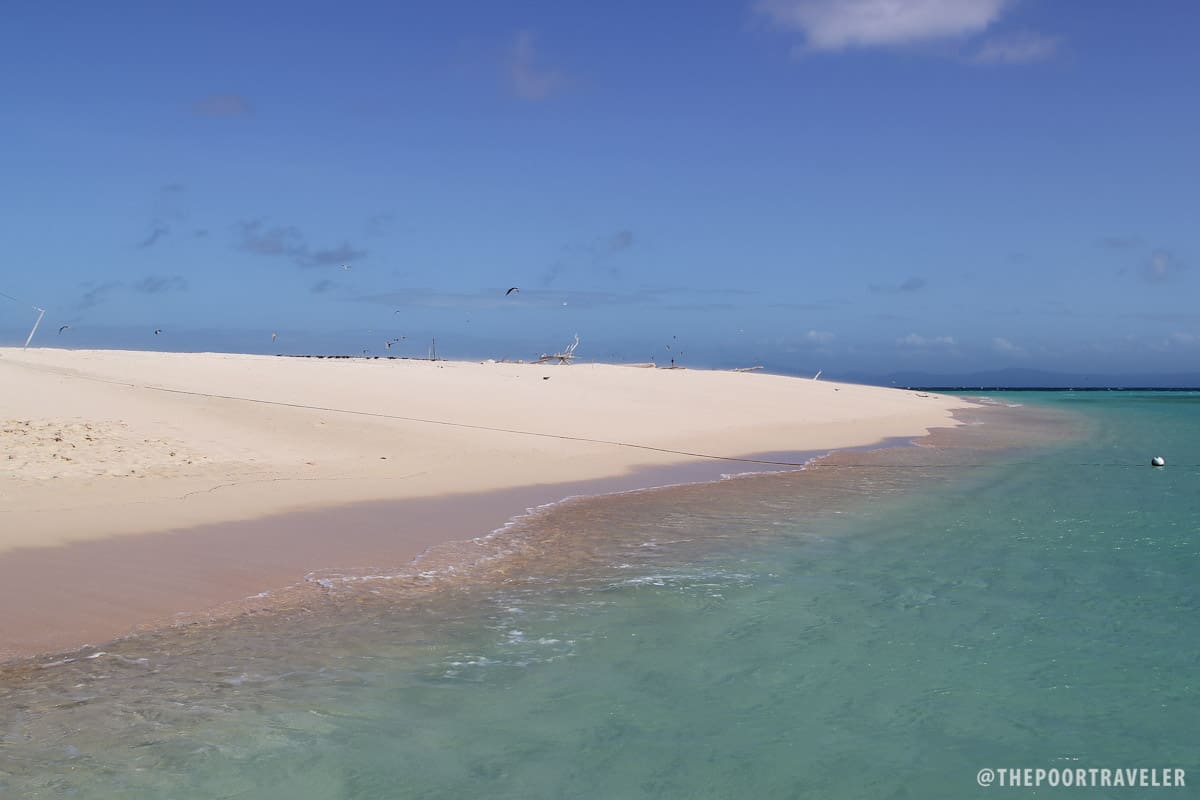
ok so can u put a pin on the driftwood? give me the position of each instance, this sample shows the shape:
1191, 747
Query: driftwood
562, 357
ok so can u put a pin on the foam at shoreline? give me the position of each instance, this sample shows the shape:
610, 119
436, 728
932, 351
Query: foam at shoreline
521, 542
754, 635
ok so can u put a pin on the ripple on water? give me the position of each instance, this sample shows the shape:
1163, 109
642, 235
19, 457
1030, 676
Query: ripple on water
667, 643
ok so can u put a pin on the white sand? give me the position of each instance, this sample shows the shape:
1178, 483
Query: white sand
102, 443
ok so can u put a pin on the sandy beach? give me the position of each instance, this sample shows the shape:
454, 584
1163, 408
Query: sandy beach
138, 485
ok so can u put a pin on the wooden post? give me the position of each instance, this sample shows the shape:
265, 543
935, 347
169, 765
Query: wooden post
28, 339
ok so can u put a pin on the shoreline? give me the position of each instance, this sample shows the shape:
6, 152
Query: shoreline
293, 466
102, 593
443, 561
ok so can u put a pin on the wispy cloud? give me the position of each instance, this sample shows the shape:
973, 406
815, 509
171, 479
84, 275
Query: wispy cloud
222, 105
1120, 242
553, 272
1017, 48
913, 284
700, 307
528, 79
287, 241
819, 337
1006, 347
832, 25
915, 340
158, 232
598, 255
275, 241
157, 284
380, 224
169, 206
495, 298
1186, 317
333, 256
805, 306
621, 240
1161, 267
97, 294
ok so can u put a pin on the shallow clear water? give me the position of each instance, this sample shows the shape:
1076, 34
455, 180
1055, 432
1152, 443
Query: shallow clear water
881, 628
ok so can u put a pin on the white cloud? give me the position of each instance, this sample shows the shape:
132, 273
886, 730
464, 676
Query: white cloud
1184, 340
839, 24
916, 340
1002, 345
819, 337
526, 78
1020, 48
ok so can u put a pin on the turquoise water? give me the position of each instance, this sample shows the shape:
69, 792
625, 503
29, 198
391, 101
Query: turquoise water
885, 627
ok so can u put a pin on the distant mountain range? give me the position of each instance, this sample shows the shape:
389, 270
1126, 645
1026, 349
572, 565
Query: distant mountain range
1026, 379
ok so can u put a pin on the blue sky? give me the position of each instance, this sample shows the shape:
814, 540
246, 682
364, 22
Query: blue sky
863, 185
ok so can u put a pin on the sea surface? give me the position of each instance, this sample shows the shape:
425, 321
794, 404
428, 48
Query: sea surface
882, 625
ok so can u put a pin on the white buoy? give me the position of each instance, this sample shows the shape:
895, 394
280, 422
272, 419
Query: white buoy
1157, 461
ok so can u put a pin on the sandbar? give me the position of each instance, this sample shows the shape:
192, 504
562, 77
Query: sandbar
139, 485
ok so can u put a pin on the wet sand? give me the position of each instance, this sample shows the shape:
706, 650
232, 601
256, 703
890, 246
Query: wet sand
88, 592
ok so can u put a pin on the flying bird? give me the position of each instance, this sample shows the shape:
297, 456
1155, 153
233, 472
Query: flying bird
157, 331
274, 336
345, 266
513, 289
63, 328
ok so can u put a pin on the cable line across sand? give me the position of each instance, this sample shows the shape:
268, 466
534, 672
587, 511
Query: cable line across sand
467, 425
565, 437
812, 462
